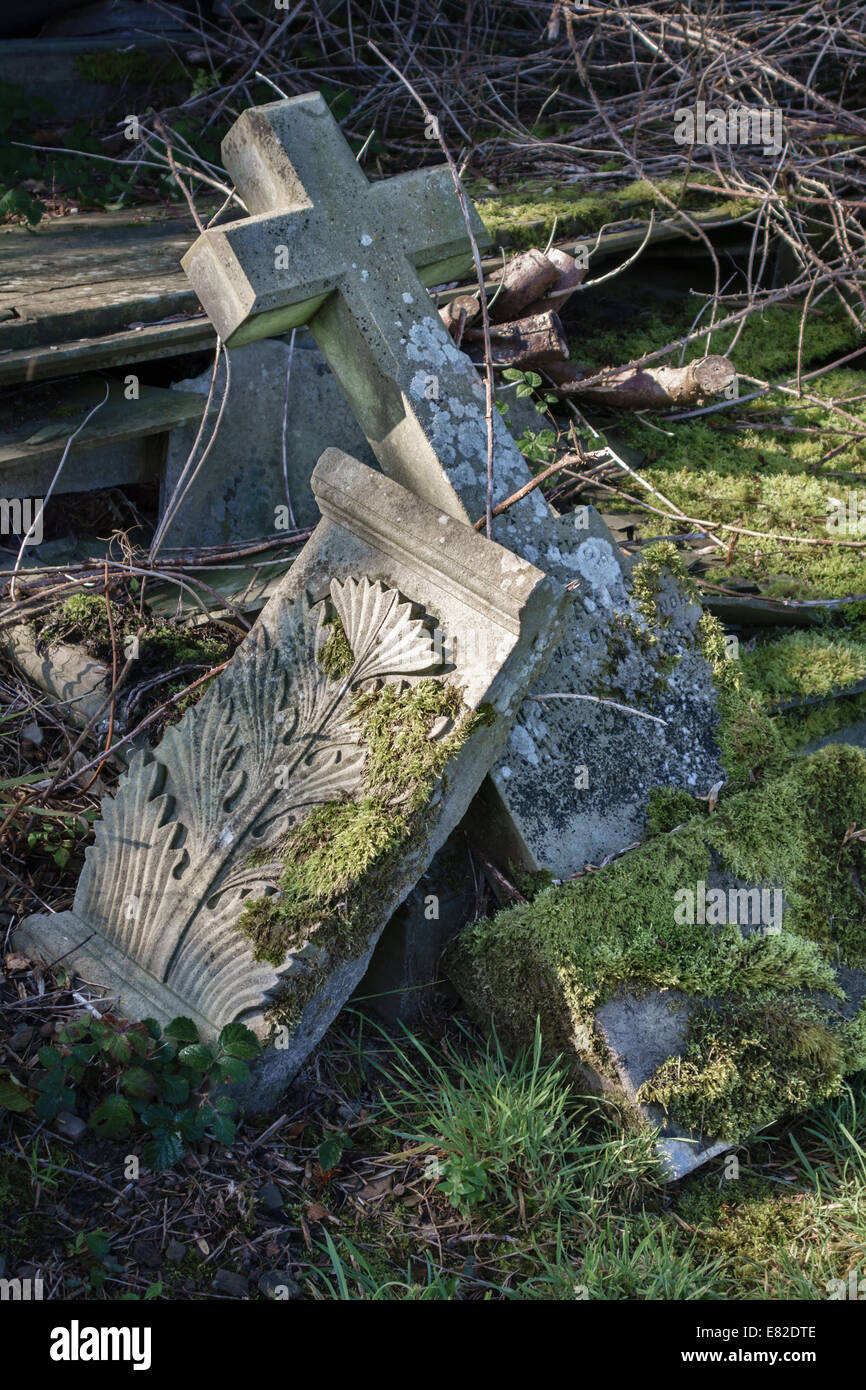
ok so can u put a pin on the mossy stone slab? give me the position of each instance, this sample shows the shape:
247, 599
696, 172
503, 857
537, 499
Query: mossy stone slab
713, 979
374, 756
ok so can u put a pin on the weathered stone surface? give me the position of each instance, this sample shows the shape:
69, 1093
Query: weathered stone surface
323, 246
198, 830
236, 494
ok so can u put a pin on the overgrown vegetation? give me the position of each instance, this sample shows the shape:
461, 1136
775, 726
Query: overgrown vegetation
138, 1080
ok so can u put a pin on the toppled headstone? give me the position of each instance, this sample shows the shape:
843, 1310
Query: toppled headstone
713, 979
281, 396
323, 246
245, 869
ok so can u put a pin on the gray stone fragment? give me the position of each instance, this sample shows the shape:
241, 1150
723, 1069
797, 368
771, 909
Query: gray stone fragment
155, 915
279, 1285
576, 777
270, 1196
241, 485
70, 1126
235, 1285
175, 1252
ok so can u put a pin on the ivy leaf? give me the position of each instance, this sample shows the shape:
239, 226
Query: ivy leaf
163, 1150
238, 1041
112, 1117
151, 1024
50, 1057
182, 1030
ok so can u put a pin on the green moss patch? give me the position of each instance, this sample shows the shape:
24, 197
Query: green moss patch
579, 944
525, 215
339, 863
748, 1064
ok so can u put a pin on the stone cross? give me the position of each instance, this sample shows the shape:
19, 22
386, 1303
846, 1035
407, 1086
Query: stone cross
324, 246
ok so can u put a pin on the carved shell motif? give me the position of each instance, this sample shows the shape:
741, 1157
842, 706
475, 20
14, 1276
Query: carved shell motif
166, 877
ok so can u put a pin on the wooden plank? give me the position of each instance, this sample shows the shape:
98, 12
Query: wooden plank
147, 343
85, 276
36, 422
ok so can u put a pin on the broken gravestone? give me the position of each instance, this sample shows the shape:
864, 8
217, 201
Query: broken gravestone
712, 980
323, 246
283, 401
245, 868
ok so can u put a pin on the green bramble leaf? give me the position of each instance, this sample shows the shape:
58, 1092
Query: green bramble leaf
197, 1057
236, 1040
112, 1117
223, 1129
163, 1150
182, 1030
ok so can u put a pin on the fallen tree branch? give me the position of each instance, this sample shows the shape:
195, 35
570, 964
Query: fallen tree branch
537, 340
644, 388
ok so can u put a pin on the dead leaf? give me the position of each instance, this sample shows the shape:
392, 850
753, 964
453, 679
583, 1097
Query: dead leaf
316, 1212
16, 961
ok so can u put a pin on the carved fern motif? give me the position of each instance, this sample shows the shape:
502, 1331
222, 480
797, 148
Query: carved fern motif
168, 873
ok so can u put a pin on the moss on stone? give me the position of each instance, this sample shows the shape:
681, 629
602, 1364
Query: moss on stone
578, 944
668, 808
525, 214
338, 863
804, 664
335, 656
116, 67
748, 1064
753, 1222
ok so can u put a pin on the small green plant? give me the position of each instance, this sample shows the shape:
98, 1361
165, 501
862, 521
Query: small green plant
331, 1151
498, 1129
93, 1249
150, 1082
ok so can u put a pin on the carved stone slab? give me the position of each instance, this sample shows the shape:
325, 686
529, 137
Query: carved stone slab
325, 247
198, 829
